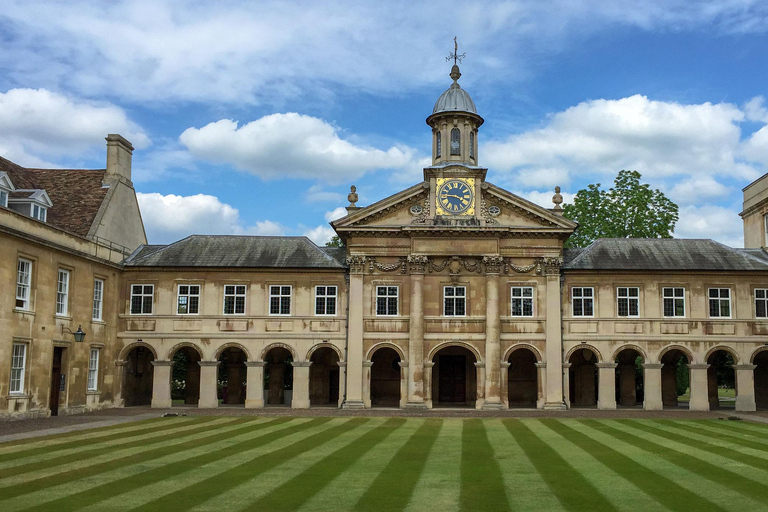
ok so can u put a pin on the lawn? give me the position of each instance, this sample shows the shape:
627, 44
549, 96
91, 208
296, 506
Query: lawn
382, 464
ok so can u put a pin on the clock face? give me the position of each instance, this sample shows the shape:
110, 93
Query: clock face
455, 197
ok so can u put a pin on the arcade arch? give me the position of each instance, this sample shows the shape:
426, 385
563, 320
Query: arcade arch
583, 377
522, 378
675, 377
185, 374
721, 376
278, 375
231, 375
454, 376
760, 360
324, 377
385, 377
137, 380
630, 384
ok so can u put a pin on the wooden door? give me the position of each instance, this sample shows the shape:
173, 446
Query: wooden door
453, 379
56, 382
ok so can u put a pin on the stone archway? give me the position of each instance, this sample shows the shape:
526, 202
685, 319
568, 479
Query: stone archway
629, 378
522, 379
721, 380
137, 381
385, 378
761, 379
231, 376
278, 376
324, 378
185, 376
675, 379
454, 377
583, 378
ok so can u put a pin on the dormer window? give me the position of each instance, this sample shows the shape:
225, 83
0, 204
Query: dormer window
39, 213
455, 142
33, 202
3, 198
472, 145
6, 187
439, 149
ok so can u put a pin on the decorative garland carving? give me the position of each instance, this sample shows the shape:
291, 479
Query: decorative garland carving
549, 266
400, 265
356, 264
519, 269
417, 263
485, 214
422, 217
493, 264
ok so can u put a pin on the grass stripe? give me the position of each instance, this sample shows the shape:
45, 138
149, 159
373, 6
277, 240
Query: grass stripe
481, 483
759, 430
722, 451
720, 475
185, 498
438, 486
296, 491
731, 437
572, 490
402, 472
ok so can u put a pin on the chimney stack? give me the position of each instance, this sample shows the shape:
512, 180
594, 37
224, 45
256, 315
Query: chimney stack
119, 152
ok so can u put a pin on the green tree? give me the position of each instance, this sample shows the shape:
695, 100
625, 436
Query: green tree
335, 242
629, 209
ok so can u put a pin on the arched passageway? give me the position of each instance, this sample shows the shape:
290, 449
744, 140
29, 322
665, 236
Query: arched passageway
675, 379
583, 378
137, 381
721, 380
385, 378
231, 378
278, 377
324, 378
454, 377
185, 377
761, 379
522, 379
629, 378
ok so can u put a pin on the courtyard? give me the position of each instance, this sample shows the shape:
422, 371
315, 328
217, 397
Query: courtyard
386, 463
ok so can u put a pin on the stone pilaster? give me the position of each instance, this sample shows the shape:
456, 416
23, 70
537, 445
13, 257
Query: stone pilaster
161, 384
354, 361
209, 398
367, 383
541, 370
652, 387
699, 392
745, 387
342, 381
492, 333
416, 266
300, 384
254, 389
566, 377
404, 383
606, 393
117, 386
480, 372
554, 336
428, 365
504, 375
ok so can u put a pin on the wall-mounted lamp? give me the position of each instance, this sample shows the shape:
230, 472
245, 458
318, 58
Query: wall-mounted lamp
79, 334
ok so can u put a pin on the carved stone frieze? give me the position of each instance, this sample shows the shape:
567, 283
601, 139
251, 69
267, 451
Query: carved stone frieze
417, 263
493, 264
520, 269
485, 214
356, 264
401, 265
548, 266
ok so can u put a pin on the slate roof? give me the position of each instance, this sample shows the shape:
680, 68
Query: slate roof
76, 194
665, 254
235, 252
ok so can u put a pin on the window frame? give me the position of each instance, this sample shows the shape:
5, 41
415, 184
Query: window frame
765, 230
235, 296
454, 298
472, 144
21, 369
38, 212
674, 298
189, 295
523, 299
92, 382
386, 297
629, 298
720, 301
26, 302
62, 292
458, 141
280, 297
581, 300
764, 300
3, 198
439, 144
142, 294
325, 298
98, 300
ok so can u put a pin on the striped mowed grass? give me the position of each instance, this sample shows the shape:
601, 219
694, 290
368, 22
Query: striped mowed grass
383, 464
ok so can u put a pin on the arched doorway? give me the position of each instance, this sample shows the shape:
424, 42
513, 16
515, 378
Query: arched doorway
137, 382
385, 378
522, 379
675, 379
185, 376
721, 380
324, 378
583, 378
231, 378
454, 377
629, 378
278, 377
761, 379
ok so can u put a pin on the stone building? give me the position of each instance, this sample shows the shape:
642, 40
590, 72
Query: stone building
453, 292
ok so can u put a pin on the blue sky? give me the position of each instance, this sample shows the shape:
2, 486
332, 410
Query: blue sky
256, 117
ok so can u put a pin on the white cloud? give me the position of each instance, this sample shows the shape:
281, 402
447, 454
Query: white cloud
337, 213
697, 190
320, 235
290, 146
709, 221
43, 123
316, 193
756, 147
755, 110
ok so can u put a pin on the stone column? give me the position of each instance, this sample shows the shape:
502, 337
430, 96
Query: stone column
161, 384
480, 393
541, 368
417, 265
606, 392
504, 376
403, 383
117, 387
492, 333
367, 383
652, 387
208, 385
745, 387
428, 383
699, 392
566, 376
254, 388
554, 351
342, 381
354, 398
300, 384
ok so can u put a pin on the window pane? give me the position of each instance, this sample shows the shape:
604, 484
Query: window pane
240, 290
286, 290
274, 290
577, 308
588, 307
392, 306
760, 309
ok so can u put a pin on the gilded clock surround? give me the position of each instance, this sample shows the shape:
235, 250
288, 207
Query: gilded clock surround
444, 208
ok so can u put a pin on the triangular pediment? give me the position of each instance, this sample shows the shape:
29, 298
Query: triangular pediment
515, 211
396, 210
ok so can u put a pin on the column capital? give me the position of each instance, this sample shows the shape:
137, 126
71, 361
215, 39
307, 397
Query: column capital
606, 365
417, 263
367, 364
301, 364
162, 363
493, 264
542, 365
698, 366
403, 364
566, 365
342, 364
652, 366
429, 364
548, 266
257, 364
208, 363
120, 362
479, 364
505, 364
743, 367
356, 264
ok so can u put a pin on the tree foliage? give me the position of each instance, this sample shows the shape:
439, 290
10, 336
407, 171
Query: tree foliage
335, 241
629, 209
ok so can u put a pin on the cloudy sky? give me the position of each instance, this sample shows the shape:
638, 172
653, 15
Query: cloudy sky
256, 117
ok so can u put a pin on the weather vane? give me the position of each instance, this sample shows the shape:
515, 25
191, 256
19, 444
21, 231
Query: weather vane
455, 55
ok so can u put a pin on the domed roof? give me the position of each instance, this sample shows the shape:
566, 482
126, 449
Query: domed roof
455, 98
